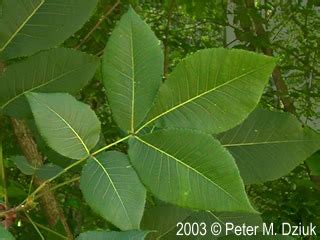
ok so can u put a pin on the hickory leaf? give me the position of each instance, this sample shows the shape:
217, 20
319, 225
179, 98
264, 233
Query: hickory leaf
111, 235
28, 26
212, 90
189, 169
56, 70
268, 145
69, 127
5, 234
132, 70
113, 189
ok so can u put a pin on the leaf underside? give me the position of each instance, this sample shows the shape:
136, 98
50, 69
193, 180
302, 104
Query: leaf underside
103, 235
213, 90
55, 70
112, 188
132, 70
69, 127
28, 26
268, 145
189, 169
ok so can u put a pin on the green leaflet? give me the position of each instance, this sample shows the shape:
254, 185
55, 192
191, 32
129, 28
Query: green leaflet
28, 26
24, 166
44, 172
213, 90
48, 171
313, 163
55, 70
105, 235
69, 127
22, 11
132, 70
112, 188
268, 145
4, 234
163, 219
189, 169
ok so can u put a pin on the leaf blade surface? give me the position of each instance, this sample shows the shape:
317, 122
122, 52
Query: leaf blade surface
212, 90
268, 145
69, 127
112, 188
189, 169
132, 70
30, 26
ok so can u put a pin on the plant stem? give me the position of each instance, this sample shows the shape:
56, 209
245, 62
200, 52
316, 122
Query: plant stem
58, 175
60, 185
35, 226
47, 229
48, 201
3, 176
102, 18
75, 164
110, 145
24, 205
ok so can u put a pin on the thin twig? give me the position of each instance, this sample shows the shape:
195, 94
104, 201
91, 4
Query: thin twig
47, 229
102, 18
60, 185
3, 176
26, 203
35, 226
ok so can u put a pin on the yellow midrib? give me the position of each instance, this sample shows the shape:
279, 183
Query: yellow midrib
39, 86
187, 166
65, 122
113, 186
22, 25
263, 143
133, 81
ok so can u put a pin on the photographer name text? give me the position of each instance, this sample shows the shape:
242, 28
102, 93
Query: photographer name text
229, 228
